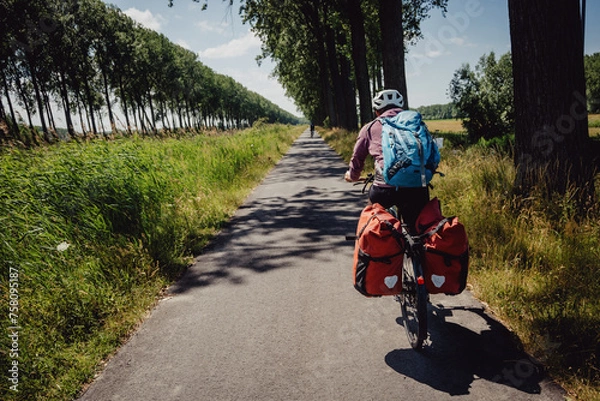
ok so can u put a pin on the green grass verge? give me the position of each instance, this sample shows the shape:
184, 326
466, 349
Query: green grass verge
91, 233
533, 260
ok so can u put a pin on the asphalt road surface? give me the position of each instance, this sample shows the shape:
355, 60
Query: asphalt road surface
269, 312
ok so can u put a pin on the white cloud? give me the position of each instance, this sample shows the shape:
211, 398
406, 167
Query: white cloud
207, 26
146, 18
461, 41
434, 54
233, 48
457, 41
427, 55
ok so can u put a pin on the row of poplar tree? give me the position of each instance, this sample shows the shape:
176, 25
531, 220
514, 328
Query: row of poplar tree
90, 59
332, 55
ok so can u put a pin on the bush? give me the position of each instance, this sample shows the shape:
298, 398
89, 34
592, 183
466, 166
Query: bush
485, 97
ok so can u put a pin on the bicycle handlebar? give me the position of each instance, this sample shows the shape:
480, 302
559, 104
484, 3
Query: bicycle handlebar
366, 181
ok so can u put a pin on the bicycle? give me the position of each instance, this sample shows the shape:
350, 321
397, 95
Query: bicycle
414, 297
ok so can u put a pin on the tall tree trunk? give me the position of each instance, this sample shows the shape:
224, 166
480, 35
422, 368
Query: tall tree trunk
179, 116
187, 114
392, 37
359, 57
15, 124
163, 116
38, 98
142, 116
53, 133
21, 92
151, 120
124, 103
551, 125
134, 114
2, 110
336, 78
348, 88
64, 94
102, 129
312, 9
90, 99
111, 118
80, 112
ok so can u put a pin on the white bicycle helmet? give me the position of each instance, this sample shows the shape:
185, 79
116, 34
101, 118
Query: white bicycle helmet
387, 97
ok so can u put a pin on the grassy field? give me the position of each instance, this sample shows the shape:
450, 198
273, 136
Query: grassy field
91, 233
445, 126
534, 261
455, 126
594, 124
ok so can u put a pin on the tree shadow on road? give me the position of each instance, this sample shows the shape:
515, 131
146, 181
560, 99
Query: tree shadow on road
457, 355
303, 210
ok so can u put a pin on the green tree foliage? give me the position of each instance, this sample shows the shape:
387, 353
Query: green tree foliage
484, 97
89, 57
330, 53
592, 78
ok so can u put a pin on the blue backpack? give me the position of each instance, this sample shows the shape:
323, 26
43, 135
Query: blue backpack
410, 155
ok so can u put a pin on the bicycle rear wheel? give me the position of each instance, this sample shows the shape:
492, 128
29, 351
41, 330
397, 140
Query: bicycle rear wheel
413, 303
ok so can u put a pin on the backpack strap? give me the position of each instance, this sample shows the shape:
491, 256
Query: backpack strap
421, 156
373, 123
378, 171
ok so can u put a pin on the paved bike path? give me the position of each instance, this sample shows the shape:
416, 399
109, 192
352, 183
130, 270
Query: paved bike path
268, 312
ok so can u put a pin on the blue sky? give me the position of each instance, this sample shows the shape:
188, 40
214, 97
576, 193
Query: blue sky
470, 29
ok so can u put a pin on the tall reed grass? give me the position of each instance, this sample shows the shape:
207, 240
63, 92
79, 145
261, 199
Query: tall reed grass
535, 261
92, 232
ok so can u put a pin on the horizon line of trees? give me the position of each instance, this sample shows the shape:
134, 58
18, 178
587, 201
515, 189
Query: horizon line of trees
89, 59
436, 111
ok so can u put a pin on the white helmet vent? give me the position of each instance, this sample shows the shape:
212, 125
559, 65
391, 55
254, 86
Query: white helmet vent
388, 97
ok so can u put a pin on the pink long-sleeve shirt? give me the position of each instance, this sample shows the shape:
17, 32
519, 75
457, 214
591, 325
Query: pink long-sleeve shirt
369, 143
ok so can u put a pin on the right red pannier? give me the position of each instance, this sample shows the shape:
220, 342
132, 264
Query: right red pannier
446, 261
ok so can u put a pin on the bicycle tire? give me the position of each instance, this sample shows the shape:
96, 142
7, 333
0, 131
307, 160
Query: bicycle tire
413, 303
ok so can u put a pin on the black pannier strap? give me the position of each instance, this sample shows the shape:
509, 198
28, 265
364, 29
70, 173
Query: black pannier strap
463, 257
437, 228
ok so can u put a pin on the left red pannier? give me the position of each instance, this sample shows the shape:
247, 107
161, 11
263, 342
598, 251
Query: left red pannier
378, 253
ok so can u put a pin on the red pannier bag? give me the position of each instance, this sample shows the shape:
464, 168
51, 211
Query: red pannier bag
378, 253
446, 263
